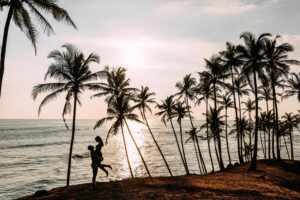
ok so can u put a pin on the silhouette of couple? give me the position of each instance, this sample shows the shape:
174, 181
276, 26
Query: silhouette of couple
97, 158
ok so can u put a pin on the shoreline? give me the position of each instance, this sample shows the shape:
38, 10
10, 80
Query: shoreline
272, 180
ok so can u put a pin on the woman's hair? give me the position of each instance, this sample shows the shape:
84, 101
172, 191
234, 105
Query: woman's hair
99, 140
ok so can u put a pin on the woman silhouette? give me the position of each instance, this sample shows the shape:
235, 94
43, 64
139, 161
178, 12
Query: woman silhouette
100, 156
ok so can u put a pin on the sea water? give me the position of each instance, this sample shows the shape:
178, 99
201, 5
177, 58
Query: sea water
34, 153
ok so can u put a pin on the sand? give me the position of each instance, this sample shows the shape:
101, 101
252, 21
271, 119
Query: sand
272, 180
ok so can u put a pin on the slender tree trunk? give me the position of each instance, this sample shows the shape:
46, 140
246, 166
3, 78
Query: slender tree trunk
178, 146
208, 137
182, 147
236, 118
200, 156
276, 117
156, 143
221, 164
4, 42
242, 139
269, 131
254, 157
126, 152
198, 161
250, 134
262, 144
292, 145
226, 135
273, 134
138, 149
287, 150
72, 138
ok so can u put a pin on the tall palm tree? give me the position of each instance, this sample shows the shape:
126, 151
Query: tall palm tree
215, 74
194, 137
252, 54
120, 111
143, 101
227, 103
19, 13
116, 83
291, 121
180, 112
215, 123
232, 61
71, 70
186, 89
204, 91
166, 112
277, 65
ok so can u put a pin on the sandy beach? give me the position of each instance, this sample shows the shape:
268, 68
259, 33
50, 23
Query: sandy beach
272, 180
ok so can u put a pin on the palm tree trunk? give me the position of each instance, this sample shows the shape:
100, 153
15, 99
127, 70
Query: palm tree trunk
273, 134
236, 119
276, 117
226, 136
4, 42
198, 162
254, 157
182, 147
250, 134
178, 146
242, 139
269, 132
221, 164
138, 149
126, 152
156, 143
262, 144
287, 150
72, 139
208, 138
292, 145
200, 156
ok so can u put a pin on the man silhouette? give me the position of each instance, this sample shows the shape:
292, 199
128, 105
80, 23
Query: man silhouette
100, 156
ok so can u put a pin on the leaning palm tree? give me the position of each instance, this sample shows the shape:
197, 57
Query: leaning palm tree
181, 111
166, 111
204, 91
18, 11
227, 103
232, 62
215, 74
277, 64
252, 54
186, 89
291, 121
71, 70
116, 83
143, 100
120, 111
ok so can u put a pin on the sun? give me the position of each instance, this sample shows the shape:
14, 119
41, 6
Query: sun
133, 55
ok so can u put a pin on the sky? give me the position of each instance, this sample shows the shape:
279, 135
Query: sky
158, 41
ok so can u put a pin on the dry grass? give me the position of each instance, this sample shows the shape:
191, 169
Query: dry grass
272, 180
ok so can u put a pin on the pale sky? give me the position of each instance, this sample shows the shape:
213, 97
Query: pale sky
158, 41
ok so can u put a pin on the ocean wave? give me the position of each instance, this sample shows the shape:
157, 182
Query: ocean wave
33, 145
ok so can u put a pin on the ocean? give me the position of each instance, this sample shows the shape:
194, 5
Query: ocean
34, 154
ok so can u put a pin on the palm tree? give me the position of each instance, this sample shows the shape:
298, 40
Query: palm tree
116, 83
214, 75
291, 121
216, 123
252, 53
181, 111
204, 90
249, 107
72, 71
186, 89
120, 111
293, 86
232, 61
143, 100
19, 13
194, 137
227, 103
166, 112
277, 64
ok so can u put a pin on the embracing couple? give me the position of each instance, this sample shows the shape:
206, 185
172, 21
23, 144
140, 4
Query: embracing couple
97, 158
